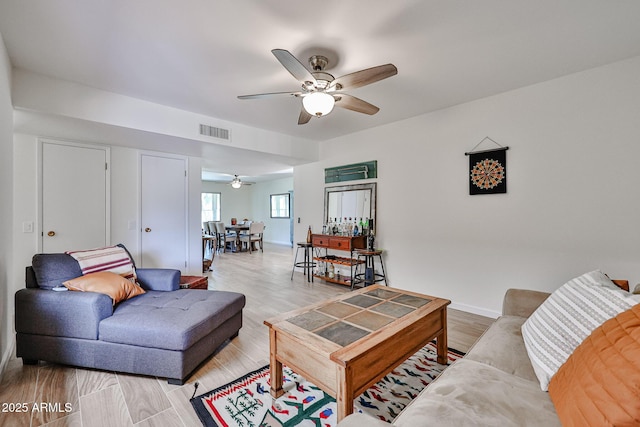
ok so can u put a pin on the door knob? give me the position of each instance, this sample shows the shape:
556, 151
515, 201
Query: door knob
51, 233
147, 229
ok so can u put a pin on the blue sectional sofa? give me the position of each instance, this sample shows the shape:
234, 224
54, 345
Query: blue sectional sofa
166, 332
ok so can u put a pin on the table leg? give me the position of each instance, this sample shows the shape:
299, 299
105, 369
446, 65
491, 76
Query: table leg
275, 368
344, 394
441, 340
307, 265
384, 274
311, 265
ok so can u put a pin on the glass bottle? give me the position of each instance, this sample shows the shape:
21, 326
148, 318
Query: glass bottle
309, 235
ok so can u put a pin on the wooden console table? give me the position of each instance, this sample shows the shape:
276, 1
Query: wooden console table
338, 243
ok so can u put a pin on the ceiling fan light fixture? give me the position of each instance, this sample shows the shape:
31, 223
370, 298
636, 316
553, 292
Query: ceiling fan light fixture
236, 183
318, 103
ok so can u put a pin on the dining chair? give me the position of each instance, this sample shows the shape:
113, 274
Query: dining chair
224, 238
256, 230
210, 229
245, 223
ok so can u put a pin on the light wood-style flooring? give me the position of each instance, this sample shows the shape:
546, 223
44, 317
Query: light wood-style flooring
90, 398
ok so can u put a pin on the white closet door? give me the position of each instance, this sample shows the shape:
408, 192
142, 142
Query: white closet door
74, 190
163, 212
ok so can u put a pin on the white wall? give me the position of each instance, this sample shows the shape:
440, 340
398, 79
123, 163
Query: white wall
252, 202
25, 203
234, 202
7, 285
125, 202
194, 224
35, 92
572, 189
277, 229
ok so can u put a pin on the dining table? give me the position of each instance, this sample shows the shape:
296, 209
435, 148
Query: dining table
237, 228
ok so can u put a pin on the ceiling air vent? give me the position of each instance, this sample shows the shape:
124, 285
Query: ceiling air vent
215, 132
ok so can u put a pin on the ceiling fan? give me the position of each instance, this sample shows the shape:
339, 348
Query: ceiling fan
236, 182
321, 91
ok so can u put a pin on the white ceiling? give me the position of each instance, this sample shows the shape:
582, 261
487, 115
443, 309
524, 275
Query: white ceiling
200, 55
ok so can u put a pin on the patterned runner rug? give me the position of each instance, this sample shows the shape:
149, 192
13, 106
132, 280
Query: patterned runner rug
246, 402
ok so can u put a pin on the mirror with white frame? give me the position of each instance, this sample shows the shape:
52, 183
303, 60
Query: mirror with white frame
350, 201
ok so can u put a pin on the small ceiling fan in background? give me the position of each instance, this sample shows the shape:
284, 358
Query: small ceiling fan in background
321, 91
236, 182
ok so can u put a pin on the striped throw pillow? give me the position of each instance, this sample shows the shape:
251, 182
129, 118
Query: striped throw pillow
115, 259
567, 317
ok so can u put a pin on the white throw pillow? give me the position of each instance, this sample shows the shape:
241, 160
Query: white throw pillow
567, 317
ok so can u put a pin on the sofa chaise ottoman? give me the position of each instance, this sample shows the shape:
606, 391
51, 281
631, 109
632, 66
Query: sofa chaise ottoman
165, 332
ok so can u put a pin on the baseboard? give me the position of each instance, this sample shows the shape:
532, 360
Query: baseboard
475, 310
278, 243
8, 354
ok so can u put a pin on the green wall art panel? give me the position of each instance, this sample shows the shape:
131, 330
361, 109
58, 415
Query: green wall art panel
355, 171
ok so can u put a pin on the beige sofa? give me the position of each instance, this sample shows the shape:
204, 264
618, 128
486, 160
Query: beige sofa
493, 385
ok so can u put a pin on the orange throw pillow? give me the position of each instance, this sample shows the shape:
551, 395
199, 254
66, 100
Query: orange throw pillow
105, 282
599, 384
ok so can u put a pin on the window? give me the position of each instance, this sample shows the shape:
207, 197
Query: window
280, 205
210, 207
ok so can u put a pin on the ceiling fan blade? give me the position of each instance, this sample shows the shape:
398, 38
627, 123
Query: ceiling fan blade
365, 77
304, 117
294, 66
355, 104
264, 95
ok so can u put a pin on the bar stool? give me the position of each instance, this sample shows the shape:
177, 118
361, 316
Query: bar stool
369, 277
308, 263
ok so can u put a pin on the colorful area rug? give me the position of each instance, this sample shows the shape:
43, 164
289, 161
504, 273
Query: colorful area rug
246, 402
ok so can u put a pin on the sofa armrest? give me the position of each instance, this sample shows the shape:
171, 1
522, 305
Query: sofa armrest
61, 314
158, 279
522, 302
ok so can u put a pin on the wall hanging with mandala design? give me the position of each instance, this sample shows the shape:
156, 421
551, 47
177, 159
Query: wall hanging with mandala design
488, 170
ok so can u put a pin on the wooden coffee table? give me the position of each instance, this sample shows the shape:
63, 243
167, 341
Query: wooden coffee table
349, 342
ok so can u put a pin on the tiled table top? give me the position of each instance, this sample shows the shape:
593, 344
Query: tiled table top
350, 319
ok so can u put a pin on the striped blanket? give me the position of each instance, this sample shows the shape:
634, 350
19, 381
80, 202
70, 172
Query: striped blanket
113, 258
